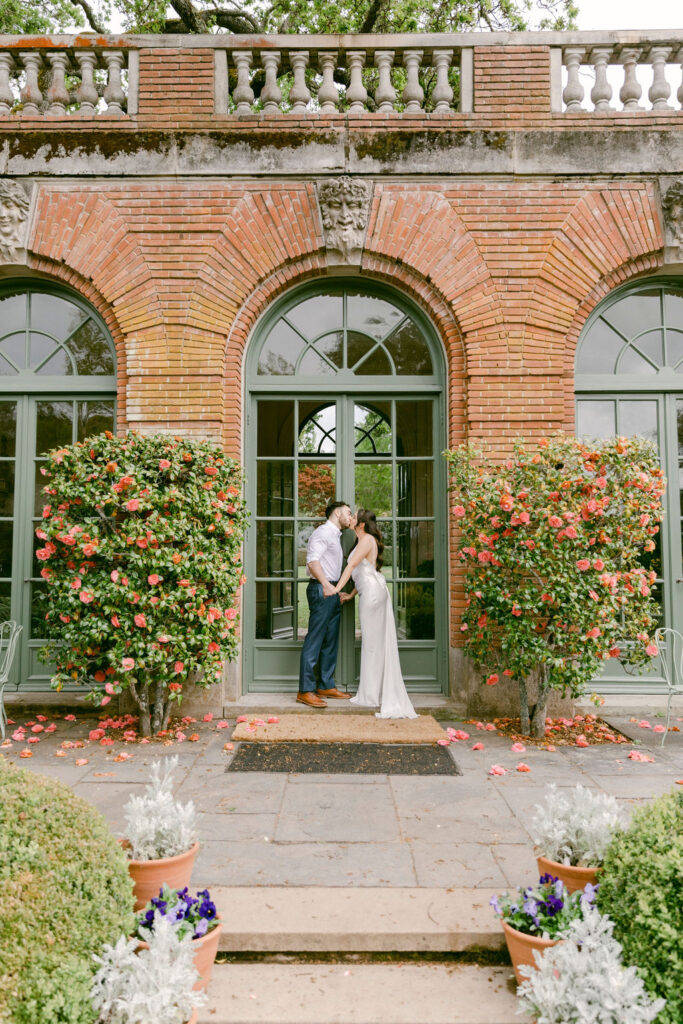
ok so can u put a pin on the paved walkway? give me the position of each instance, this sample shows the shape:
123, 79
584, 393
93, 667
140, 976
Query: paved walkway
262, 829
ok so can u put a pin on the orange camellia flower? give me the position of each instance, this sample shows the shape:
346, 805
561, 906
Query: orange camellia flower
506, 502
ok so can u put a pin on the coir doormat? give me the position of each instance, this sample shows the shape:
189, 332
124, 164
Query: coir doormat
343, 727
344, 759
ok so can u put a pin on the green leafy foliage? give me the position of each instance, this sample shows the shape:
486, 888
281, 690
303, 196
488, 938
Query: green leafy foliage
555, 543
65, 892
285, 16
141, 553
641, 889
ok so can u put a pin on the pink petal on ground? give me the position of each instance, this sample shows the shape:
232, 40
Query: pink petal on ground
60, 753
222, 724
273, 720
517, 748
581, 741
497, 769
33, 739
18, 735
41, 718
106, 741
521, 767
461, 735
69, 718
638, 755
228, 746
445, 742
551, 748
659, 728
80, 761
180, 736
644, 724
490, 727
51, 727
242, 718
478, 746
208, 717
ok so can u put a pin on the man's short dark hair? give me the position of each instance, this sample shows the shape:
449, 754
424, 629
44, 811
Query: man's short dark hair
335, 504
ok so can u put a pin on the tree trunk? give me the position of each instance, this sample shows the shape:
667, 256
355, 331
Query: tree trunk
524, 708
159, 709
142, 699
541, 706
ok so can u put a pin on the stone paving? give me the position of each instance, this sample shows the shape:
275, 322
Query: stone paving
262, 829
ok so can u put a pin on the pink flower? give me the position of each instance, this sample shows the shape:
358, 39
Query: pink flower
51, 727
140, 621
492, 679
153, 579
524, 517
180, 736
445, 742
127, 664
555, 521
490, 727
497, 769
114, 576
222, 724
515, 610
506, 502
86, 596
213, 647
598, 565
518, 748
601, 482
461, 735
133, 505
659, 728
273, 720
522, 767
583, 564
571, 532
80, 761
644, 724
652, 650
18, 735
208, 717
95, 734
106, 741
164, 464
478, 746
637, 755
105, 701
178, 667
593, 633
242, 718
37, 728
69, 718
581, 741
458, 511
115, 621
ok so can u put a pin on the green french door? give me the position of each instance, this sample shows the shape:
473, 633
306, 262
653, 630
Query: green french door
57, 386
29, 427
380, 454
344, 401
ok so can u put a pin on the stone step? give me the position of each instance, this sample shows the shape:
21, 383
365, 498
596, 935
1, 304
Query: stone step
396, 993
374, 920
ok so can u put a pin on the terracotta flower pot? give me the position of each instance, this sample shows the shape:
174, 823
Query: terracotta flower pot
573, 877
521, 948
150, 875
205, 950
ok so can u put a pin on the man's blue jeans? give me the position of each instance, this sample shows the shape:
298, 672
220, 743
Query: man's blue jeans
322, 639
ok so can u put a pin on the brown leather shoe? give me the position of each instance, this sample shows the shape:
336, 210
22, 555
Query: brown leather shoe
311, 699
334, 693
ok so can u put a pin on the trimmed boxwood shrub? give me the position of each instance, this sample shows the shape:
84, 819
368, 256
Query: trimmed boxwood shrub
641, 888
65, 891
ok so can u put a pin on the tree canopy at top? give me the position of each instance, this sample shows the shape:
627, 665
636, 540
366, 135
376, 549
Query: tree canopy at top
283, 16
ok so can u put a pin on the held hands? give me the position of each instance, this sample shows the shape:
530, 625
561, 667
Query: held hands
328, 589
344, 597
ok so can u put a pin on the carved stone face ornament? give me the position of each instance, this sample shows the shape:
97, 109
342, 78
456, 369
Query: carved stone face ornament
672, 205
14, 207
344, 208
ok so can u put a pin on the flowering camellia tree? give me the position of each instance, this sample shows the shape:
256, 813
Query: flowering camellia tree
556, 543
141, 548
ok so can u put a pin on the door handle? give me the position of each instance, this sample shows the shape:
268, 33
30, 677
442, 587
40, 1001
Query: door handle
680, 580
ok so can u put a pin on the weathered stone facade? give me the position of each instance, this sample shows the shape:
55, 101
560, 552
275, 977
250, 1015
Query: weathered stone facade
507, 220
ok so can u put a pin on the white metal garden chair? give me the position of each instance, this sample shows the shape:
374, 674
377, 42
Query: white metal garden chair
672, 667
9, 633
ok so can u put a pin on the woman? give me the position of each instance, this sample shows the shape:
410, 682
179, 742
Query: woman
381, 682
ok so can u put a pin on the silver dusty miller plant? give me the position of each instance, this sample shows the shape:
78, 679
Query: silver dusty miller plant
575, 826
157, 825
154, 986
582, 980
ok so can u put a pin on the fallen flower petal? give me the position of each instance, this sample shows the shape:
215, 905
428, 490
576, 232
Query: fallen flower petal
242, 718
60, 753
80, 761
228, 746
445, 742
644, 724
659, 728
25, 752
478, 746
69, 718
490, 727
638, 755
497, 769
222, 724
581, 741
460, 735
208, 717
521, 767
273, 720
517, 748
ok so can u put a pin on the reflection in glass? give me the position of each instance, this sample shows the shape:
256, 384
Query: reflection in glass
6, 532
91, 350
374, 364
314, 365
43, 349
53, 426
13, 354
674, 349
357, 346
595, 420
317, 315
332, 346
633, 314
387, 530
303, 536
631, 361
372, 428
6, 488
275, 429
280, 351
94, 418
8, 429
638, 418
414, 428
6, 602
12, 312
415, 610
415, 484
371, 315
40, 499
317, 428
40, 601
275, 489
316, 487
274, 611
275, 548
416, 549
373, 487
600, 349
679, 423
54, 315
408, 349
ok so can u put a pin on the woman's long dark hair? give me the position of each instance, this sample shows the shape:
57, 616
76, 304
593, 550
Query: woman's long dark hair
369, 521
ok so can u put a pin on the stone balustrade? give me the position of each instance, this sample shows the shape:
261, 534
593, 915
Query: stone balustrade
418, 75
588, 84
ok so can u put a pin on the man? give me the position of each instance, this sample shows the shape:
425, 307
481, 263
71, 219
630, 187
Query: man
324, 558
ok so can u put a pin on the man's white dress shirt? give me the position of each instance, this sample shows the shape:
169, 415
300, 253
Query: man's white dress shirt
324, 546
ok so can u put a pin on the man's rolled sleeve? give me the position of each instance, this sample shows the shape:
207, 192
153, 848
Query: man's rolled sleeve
315, 548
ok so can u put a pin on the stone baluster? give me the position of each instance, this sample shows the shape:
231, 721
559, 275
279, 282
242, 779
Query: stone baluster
413, 94
299, 94
660, 90
87, 94
243, 94
573, 90
31, 96
57, 94
679, 94
356, 93
271, 94
442, 96
6, 94
385, 94
601, 93
328, 94
114, 95
630, 92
